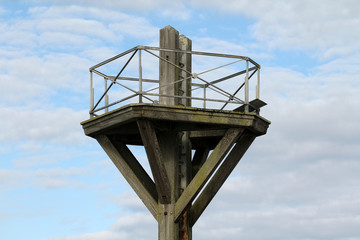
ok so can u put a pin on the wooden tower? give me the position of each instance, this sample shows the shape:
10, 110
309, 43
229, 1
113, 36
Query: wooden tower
191, 151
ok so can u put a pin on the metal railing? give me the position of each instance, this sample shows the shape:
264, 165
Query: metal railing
210, 87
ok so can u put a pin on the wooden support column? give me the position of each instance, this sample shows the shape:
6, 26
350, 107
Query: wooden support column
185, 176
185, 167
169, 146
175, 146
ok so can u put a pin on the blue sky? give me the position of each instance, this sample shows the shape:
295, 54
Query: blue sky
300, 181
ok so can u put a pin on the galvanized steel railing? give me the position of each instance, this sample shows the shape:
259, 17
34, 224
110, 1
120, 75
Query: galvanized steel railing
147, 89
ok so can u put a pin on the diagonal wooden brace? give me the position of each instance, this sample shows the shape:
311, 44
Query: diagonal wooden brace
221, 175
152, 148
206, 171
132, 171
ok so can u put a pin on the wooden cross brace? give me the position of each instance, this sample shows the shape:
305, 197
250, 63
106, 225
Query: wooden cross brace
161, 196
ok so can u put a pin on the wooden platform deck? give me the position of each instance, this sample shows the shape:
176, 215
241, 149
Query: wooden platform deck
206, 126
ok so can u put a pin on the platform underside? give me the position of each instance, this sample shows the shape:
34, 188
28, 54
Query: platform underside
206, 126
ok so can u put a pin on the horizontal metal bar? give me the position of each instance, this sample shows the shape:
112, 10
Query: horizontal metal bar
114, 103
196, 98
173, 50
134, 79
164, 95
226, 78
130, 89
219, 90
229, 95
99, 73
232, 75
113, 58
225, 65
200, 53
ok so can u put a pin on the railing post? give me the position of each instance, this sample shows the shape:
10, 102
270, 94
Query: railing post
91, 95
140, 78
247, 87
258, 84
106, 97
204, 104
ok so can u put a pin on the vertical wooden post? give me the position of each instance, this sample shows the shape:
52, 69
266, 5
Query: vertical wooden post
169, 39
175, 146
184, 84
168, 228
185, 167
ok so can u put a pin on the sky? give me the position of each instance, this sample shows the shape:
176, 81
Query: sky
300, 181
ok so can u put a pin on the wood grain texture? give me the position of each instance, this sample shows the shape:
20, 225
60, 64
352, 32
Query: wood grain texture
206, 171
153, 152
134, 174
220, 176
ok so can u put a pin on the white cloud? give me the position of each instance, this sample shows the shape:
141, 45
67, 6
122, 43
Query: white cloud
48, 49
135, 27
105, 5
137, 226
300, 180
61, 126
177, 10
317, 25
58, 178
218, 46
2, 10
11, 178
104, 235
40, 77
283, 206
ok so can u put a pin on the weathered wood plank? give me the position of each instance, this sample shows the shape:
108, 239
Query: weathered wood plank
220, 176
206, 171
168, 74
132, 171
190, 118
136, 168
185, 171
184, 86
153, 151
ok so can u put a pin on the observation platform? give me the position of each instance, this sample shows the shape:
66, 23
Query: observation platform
206, 126
196, 117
